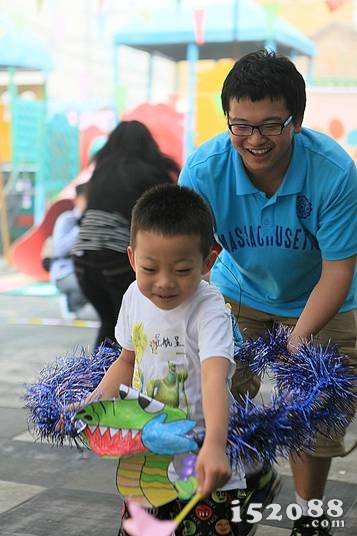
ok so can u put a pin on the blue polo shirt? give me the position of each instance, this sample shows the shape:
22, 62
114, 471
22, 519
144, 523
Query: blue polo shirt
273, 247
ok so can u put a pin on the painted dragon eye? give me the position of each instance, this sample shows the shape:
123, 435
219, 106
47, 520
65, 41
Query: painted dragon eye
150, 405
127, 393
123, 391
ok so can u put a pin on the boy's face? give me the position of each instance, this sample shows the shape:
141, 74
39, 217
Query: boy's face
263, 156
168, 268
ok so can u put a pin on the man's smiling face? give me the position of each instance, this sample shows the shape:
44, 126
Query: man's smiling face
264, 157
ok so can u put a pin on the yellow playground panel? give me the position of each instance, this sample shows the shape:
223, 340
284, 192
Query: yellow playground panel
209, 115
5, 135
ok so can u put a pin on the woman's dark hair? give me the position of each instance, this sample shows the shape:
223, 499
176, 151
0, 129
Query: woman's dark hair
264, 74
132, 139
82, 189
129, 163
171, 210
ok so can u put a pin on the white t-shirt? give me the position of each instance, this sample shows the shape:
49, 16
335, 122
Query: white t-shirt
170, 345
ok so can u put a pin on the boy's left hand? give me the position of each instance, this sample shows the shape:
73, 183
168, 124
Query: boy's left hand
212, 468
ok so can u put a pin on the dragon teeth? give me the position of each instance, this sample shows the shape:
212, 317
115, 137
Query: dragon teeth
114, 431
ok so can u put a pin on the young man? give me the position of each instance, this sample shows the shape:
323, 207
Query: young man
284, 201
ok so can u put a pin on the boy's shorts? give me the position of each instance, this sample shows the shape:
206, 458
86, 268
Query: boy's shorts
210, 516
341, 330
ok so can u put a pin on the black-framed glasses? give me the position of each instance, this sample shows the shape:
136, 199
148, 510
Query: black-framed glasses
267, 129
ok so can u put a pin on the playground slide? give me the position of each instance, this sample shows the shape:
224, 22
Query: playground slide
166, 126
25, 253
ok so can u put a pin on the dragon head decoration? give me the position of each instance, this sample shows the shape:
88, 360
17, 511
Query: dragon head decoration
134, 424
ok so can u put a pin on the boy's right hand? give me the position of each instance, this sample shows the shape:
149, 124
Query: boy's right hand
212, 467
104, 391
94, 396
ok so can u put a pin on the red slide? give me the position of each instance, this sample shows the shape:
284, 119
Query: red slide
25, 253
165, 124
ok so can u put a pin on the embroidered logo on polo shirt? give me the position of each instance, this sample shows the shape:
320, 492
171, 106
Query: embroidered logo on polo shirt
303, 206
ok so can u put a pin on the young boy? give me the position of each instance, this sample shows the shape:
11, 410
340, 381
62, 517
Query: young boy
176, 338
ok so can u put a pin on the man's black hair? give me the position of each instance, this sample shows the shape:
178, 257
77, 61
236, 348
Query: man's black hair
170, 209
264, 74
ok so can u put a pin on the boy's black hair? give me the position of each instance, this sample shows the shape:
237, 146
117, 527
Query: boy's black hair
170, 209
264, 74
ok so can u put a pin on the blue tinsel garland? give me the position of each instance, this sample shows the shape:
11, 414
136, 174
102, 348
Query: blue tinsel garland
66, 381
315, 391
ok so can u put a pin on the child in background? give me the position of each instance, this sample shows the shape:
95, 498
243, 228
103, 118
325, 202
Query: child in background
176, 336
62, 273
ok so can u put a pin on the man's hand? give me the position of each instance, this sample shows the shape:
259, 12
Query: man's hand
294, 342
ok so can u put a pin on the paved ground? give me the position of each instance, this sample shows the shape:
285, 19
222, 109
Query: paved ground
48, 491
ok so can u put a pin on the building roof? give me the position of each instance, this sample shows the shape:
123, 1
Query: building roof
231, 28
22, 49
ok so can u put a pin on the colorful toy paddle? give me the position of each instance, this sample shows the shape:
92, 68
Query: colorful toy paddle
143, 524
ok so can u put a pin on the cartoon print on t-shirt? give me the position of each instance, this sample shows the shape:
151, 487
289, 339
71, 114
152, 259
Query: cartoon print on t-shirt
161, 366
140, 343
169, 389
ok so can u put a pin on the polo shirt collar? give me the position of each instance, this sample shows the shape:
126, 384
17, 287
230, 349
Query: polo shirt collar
243, 184
294, 179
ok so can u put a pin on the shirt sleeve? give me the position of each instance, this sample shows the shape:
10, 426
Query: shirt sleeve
65, 233
185, 178
337, 233
215, 336
123, 327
